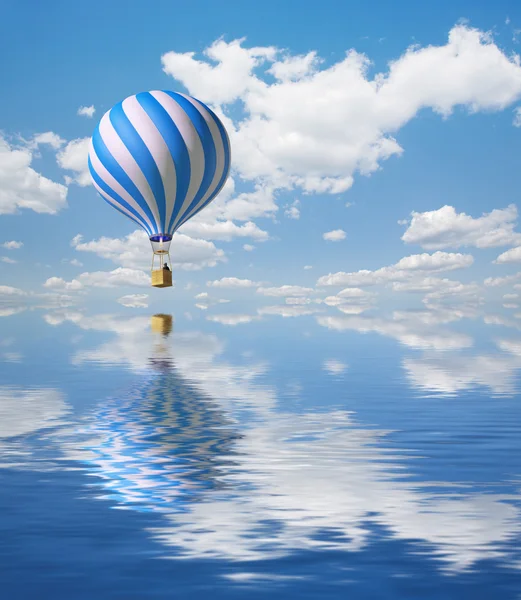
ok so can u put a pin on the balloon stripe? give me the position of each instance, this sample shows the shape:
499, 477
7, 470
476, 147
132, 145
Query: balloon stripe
221, 159
148, 131
141, 154
177, 143
167, 163
215, 137
115, 201
120, 209
129, 166
209, 153
227, 154
195, 152
116, 190
119, 174
106, 192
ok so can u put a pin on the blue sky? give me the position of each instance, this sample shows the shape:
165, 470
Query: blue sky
391, 125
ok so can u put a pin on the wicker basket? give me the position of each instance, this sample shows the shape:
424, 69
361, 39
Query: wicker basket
162, 278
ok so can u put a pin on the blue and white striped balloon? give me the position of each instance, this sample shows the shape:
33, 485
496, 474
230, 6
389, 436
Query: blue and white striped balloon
159, 158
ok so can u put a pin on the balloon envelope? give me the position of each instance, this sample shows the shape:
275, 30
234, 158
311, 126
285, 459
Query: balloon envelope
159, 158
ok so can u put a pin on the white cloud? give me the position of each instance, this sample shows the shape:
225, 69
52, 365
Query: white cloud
248, 247
307, 267
57, 283
349, 295
292, 211
517, 117
292, 68
423, 284
86, 111
22, 187
76, 240
11, 310
348, 308
204, 301
116, 278
445, 228
133, 251
354, 294
9, 291
228, 80
500, 281
48, 138
6, 259
232, 282
405, 269
245, 206
289, 140
335, 236
134, 300
101, 279
510, 256
216, 221
74, 158
351, 300
285, 291
438, 261
12, 245
223, 230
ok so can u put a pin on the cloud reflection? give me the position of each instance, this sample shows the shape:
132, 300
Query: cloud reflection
408, 329
442, 369
450, 374
310, 474
23, 412
273, 483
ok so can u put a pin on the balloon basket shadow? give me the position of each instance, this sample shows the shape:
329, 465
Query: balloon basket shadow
162, 323
161, 278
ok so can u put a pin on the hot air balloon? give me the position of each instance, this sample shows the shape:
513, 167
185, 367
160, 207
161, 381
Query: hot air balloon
159, 158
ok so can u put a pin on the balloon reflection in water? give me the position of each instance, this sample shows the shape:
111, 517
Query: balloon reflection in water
163, 442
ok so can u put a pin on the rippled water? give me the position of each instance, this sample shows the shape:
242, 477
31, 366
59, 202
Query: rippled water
317, 457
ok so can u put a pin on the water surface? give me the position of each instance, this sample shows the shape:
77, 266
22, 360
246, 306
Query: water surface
323, 456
